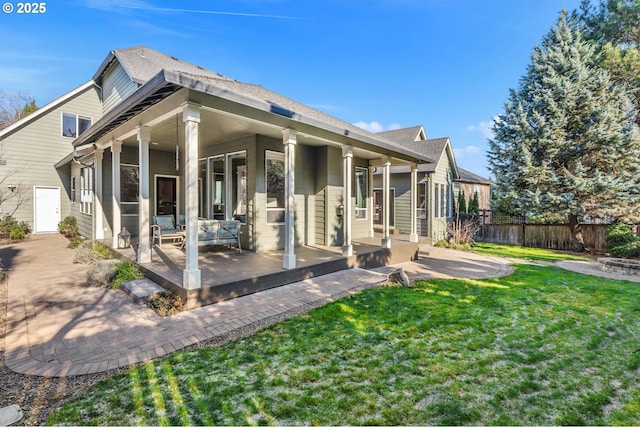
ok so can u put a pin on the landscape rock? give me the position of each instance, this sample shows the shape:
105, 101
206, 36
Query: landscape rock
399, 276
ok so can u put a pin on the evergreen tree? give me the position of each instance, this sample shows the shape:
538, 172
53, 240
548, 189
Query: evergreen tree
462, 203
614, 26
567, 142
474, 204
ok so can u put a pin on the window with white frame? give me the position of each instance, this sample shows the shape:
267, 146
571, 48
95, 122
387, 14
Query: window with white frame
436, 202
129, 189
443, 201
74, 125
73, 190
86, 190
274, 182
362, 192
421, 210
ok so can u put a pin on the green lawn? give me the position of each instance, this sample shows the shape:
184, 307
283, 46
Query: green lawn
509, 251
542, 346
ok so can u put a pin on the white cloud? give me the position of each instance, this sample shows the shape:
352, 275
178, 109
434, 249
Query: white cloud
375, 127
469, 149
484, 128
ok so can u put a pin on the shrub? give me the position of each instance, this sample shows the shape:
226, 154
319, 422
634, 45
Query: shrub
12, 229
621, 242
90, 252
68, 227
165, 303
102, 273
460, 233
125, 271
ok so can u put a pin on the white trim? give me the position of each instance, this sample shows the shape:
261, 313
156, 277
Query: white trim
155, 192
366, 196
46, 109
277, 155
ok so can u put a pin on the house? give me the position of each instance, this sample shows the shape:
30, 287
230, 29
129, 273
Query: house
151, 134
469, 184
434, 184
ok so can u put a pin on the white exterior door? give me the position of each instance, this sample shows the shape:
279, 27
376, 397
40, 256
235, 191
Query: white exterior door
47, 209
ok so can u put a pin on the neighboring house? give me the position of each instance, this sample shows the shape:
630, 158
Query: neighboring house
435, 182
31, 147
469, 184
169, 137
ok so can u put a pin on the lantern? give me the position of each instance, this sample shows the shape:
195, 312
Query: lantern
124, 239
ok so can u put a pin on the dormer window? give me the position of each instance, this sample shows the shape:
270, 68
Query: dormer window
74, 125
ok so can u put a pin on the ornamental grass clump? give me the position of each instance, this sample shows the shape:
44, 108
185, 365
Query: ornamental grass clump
90, 252
125, 271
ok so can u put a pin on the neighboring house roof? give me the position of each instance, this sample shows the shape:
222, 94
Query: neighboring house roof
431, 148
172, 75
44, 110
467, 176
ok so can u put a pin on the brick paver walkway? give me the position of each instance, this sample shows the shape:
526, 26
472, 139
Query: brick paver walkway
59, 326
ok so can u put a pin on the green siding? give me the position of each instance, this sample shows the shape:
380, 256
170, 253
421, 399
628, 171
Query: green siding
116, 86
30, 153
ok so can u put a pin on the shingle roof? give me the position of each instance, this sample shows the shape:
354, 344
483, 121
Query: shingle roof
404, 135
467, 176
431, 148
142, 63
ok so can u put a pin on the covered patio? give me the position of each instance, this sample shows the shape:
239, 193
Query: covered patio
227, 273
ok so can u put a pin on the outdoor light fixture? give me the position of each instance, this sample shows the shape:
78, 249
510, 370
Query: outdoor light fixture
11, 187
340, 210
124, 239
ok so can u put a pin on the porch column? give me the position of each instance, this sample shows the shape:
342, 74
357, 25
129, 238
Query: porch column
289, 140
98, 214
144, 250
116, 149
386, 240
413, 236
191, 276
347, 173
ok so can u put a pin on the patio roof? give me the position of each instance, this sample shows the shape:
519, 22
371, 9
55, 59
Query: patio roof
253, 99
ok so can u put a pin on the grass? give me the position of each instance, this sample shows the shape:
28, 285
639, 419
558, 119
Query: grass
531, 254
541, 346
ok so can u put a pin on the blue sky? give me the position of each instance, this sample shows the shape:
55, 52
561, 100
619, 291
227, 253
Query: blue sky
382, 64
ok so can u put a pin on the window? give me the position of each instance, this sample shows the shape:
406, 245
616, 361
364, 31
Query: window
437, 200
421, 210
362, 192
129, 189
216, 166
74, 125
238, 162
73, 189
86, 190
443, 201
274, 181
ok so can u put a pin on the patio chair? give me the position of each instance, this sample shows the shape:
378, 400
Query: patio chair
164, 228
10, 415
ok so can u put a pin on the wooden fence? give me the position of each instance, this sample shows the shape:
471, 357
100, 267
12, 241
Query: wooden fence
545, 236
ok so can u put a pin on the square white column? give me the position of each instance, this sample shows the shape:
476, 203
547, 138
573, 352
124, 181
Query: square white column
191, 275
289, 140
144, 223
413, 236
116, 149
347, 180
386, 187
99, 214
